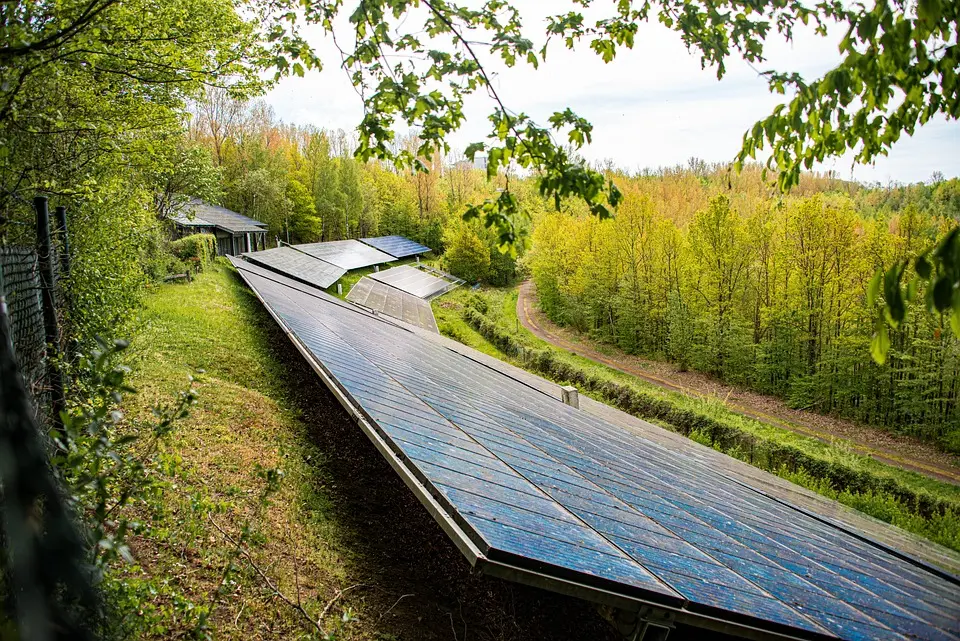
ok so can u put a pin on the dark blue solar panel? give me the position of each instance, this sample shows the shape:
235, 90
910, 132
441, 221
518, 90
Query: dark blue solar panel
539, 481
396, 246
298, 266
348, 254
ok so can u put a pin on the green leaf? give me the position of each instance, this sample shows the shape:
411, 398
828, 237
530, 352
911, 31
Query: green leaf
912, 290
922, 266
874, 288
891, 291
880, 344
942, 293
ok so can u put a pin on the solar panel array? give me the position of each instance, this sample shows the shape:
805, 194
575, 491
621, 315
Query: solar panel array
393, 302
414, 281
396, 246
558, 492
298, 265
348, 254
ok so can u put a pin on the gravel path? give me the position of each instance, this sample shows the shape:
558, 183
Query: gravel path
902, 451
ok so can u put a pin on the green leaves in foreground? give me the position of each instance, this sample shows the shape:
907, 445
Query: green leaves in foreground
414, 61
937, 272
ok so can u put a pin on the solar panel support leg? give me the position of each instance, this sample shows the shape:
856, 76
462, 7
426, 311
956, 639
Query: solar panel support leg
649, 624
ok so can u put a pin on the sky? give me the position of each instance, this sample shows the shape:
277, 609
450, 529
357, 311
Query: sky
653, 106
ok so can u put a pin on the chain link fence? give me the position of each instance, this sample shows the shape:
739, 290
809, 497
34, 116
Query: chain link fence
20, 285
46, 588
36, 313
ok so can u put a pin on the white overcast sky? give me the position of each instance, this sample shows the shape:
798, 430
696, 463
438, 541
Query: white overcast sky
652, 106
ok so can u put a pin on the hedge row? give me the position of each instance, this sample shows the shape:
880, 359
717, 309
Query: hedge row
196, 250
729, 438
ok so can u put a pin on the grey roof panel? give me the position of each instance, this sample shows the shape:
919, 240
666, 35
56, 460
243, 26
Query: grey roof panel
348, 254
197, 213
298, 266
413, 281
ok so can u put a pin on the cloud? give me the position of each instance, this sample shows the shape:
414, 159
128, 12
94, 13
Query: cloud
652, 106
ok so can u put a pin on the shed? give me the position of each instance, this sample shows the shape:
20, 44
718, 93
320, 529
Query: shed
235, 232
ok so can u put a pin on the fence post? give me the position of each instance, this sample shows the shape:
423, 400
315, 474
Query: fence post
64, 240
49, 300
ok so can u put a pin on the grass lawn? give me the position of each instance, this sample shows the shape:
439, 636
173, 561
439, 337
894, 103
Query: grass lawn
342, 535
501, 306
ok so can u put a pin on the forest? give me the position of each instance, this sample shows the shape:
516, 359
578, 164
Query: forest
763, 291
714, 271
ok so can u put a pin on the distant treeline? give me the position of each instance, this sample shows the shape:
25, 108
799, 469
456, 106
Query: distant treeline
304, 182
717, 273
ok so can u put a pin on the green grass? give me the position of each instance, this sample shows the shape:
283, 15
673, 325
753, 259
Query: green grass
942, 526
340, 520
447, 311
246, 421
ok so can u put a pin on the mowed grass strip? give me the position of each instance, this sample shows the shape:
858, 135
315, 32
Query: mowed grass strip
243, 425
341, 534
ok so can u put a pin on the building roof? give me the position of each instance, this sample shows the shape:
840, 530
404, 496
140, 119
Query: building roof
197, 213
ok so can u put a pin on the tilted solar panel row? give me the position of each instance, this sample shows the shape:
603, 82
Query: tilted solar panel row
396, 246
550, 491
413, 281
393, 302
298, 265
348, 254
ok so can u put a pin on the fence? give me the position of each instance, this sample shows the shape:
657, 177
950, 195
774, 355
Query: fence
30, 279
47, 587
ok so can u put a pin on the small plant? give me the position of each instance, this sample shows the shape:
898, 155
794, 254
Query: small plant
95, 452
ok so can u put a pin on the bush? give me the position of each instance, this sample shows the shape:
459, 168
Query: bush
467, 256
197, 250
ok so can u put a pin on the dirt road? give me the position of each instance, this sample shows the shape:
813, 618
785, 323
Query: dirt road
902, 451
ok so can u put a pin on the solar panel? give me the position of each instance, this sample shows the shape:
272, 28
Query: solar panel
393, 302
538, 491
297, 265
413, 281
396, 246
348, 254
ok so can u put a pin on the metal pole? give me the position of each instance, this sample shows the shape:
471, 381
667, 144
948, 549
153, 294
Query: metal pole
49, 299
64, 240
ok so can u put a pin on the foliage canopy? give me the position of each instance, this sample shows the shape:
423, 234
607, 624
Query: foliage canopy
415, 61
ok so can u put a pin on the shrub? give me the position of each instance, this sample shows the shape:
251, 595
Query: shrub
197, 250
467, 256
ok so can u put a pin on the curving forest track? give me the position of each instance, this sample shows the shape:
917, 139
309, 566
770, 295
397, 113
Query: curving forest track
901, 451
